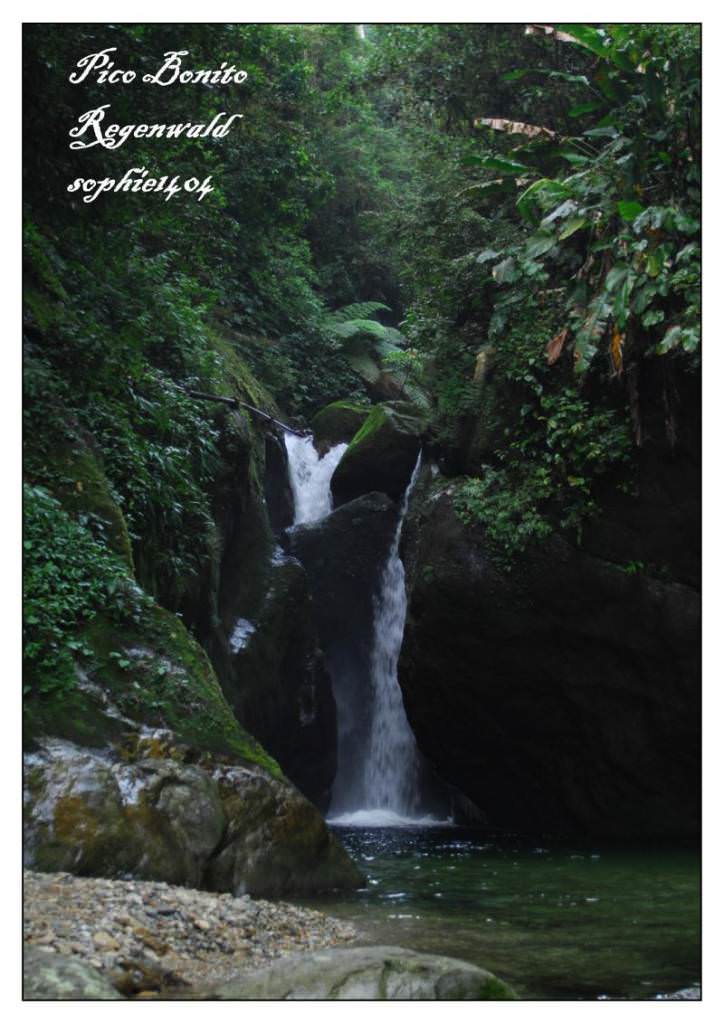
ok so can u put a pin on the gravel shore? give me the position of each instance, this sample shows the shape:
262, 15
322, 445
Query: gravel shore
153, 939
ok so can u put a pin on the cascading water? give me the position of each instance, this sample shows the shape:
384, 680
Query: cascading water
309, 476
390, 773
387, 791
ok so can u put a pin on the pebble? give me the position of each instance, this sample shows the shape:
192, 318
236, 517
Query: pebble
151, 938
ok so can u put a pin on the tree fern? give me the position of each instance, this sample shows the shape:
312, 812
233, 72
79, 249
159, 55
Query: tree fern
356, 311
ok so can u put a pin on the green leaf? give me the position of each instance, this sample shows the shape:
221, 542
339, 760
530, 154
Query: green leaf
571, 226
590, 332
690, 339
504, 272
577, 159
621, 308
671, 340
596, 40
629, 210
584, 108
563, 210
592, 38
615, 276
654, 262
544, 190
499, 164
486, 188
652, 316
539, 244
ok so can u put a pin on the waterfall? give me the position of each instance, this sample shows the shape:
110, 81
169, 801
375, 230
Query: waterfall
390, 772
309, 476
388, 792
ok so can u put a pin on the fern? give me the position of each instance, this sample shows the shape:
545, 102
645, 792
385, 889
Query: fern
356, 311
350, 328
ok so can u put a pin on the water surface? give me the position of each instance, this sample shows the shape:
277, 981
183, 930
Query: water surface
565, 922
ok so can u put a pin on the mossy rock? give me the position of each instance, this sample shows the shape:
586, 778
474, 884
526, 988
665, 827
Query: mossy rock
73, 473
153, 673
275, 842
381, 455
336, 423
207, 824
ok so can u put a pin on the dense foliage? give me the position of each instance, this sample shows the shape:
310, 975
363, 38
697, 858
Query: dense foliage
560, 241
500, 225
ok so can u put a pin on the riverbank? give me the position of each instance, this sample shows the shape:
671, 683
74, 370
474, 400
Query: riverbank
151, 939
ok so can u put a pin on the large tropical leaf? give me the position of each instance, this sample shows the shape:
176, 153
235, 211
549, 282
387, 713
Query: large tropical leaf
498, 163
542, 191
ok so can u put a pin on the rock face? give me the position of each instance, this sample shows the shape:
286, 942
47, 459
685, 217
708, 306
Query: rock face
561, 696
143, 812
48, 976
336, 423
381, 455
382, 972
343, 555
273, 675
277, 488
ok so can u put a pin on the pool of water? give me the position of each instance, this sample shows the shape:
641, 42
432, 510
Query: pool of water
555, 921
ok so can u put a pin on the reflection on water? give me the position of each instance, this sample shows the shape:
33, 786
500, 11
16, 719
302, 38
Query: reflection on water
554, 921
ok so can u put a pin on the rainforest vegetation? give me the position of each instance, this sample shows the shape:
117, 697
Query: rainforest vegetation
420, 197
498, 223
461, 265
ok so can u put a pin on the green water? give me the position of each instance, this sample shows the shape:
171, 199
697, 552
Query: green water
555, 922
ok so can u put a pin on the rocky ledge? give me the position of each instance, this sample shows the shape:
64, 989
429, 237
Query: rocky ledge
150, 939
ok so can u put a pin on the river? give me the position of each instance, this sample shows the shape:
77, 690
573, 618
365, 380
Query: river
555, 921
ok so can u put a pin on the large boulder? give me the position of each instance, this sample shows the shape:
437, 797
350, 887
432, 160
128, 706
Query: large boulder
336, 423
381, 455
272, 672
343, 556
144, 812
561, 695
275, 843
48, 976
381, 972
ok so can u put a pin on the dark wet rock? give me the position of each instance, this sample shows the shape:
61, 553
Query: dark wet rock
381, 455
274, 677
343, 556
276, 842
220, 826
337, 423
382, 972
277, 488
48, 976
560, 696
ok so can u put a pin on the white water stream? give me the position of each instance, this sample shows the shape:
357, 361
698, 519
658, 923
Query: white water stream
389, 769
309, 476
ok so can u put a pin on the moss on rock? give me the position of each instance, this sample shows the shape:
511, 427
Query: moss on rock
337, 422
381, 455
209, 824
73, 473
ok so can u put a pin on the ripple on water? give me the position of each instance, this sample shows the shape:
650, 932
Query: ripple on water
554, 921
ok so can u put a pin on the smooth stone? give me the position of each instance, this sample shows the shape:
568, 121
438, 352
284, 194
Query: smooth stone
379, 972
